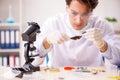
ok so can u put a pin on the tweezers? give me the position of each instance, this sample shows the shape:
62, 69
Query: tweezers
77, 37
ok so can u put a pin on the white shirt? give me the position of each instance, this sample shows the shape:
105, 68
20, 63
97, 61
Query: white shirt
80, 52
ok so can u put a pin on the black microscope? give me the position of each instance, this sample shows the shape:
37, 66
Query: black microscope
30, 36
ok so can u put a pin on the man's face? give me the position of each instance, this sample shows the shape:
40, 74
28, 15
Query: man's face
78, 14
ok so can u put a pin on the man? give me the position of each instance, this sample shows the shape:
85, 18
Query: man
98, 38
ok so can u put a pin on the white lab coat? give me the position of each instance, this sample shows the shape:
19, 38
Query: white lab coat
80, 52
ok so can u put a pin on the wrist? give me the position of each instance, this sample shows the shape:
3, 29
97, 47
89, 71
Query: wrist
46, 43
104, 47
99, 43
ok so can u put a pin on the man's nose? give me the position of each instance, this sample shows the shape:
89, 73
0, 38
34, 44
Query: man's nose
78, 19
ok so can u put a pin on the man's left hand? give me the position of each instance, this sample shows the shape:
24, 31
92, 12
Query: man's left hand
95, 35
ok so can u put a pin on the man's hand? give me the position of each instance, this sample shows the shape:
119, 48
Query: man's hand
57, 38
95, 35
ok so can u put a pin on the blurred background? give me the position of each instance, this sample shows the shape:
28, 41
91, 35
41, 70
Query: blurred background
40, 10
14, 15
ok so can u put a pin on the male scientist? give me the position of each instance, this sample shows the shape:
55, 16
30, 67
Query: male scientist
78, 38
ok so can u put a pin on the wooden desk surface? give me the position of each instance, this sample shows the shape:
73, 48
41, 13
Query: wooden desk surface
63, 75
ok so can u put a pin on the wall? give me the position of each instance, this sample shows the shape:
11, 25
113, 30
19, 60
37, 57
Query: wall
4, 9
40, 10
109, 8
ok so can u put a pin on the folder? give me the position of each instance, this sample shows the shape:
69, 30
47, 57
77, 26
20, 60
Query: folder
17, 61
17, 39
2, 39
5, 61
11, 60
0, 60
12, 39
7, 37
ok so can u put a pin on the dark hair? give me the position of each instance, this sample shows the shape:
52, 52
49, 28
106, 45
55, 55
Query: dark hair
91, 4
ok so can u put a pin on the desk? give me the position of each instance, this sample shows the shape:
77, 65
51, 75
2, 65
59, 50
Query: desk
61, 75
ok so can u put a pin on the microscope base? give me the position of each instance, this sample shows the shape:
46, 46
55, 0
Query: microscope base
26, 69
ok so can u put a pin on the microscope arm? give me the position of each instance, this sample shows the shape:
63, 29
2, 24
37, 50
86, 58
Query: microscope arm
26, 52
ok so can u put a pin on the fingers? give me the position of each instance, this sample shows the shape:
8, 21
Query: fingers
93, 34
62, 38
57, 38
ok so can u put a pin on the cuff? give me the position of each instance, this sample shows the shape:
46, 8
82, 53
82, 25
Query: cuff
107, 54
42, 51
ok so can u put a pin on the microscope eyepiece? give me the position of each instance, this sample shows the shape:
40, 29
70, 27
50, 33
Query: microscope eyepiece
30, 33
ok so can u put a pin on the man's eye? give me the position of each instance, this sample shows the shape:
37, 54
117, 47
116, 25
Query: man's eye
85, 14
74, 13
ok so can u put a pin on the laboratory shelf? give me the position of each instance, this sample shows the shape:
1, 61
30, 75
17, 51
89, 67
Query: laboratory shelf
9, 26
9, 50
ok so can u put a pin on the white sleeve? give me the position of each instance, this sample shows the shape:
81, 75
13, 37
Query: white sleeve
113, 51
45, 30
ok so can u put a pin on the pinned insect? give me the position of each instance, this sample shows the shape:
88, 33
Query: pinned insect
77, 37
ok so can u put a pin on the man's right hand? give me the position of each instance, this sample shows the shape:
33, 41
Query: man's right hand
57, 38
